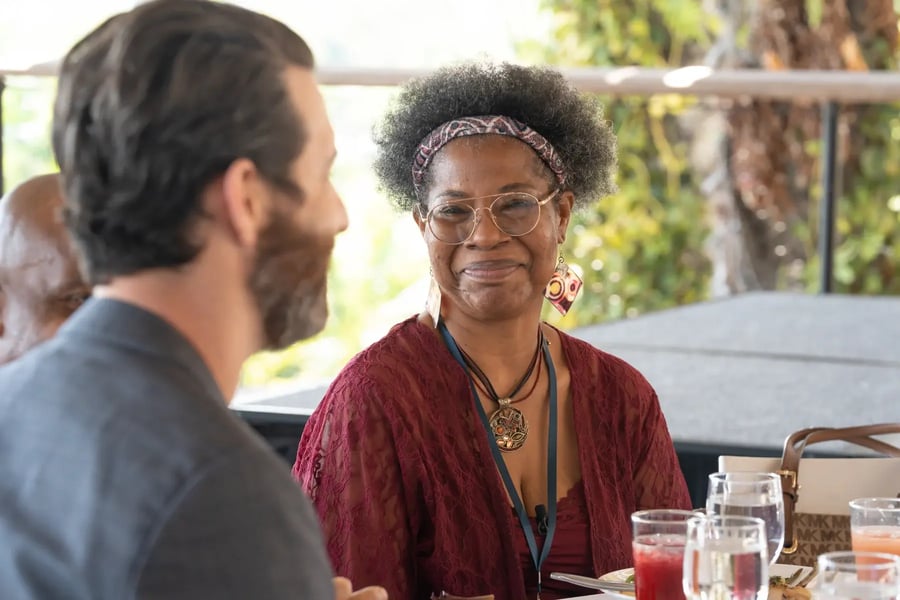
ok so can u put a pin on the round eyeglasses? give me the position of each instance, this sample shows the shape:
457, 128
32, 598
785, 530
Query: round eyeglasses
513, 213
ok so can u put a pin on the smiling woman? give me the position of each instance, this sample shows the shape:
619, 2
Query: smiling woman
405, 449
480, 275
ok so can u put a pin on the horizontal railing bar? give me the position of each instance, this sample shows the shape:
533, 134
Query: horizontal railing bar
809, 85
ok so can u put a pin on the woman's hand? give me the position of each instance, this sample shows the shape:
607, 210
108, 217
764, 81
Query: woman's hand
343, 590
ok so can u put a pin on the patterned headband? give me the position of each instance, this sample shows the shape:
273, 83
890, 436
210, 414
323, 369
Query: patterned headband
494, 124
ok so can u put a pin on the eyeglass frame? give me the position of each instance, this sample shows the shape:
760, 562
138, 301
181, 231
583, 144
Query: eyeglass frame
475, 220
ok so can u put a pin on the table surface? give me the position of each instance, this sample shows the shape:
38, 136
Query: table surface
743, 371
749, 370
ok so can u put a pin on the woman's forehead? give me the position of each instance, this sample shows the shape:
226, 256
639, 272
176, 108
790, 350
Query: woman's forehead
478, 159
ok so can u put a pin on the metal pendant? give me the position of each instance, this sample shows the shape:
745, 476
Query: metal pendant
509, 427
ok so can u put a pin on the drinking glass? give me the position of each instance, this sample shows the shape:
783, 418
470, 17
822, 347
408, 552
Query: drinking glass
750, 495
725, 558
858, 576
875, 525
658, 551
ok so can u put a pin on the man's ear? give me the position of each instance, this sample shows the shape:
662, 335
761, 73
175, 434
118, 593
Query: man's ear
564, 208
245, 201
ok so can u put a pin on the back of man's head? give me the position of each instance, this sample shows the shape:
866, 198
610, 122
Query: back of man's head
138, 125
40, 285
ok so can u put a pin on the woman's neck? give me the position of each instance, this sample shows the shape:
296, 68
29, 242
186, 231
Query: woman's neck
502, 349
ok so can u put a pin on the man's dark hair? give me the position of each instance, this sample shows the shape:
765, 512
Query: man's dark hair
540, 97
152, 106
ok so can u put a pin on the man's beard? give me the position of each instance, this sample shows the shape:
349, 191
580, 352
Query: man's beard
288, 283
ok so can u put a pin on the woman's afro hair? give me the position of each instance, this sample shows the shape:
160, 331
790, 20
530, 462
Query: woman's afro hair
540, 97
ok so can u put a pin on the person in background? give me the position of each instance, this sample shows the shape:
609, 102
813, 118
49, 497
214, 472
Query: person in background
40, 286
476, 447
195, 153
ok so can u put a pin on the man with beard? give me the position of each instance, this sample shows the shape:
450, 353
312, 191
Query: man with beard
40, 286
195, 154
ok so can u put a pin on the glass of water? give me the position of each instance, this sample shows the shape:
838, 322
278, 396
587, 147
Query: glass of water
725, 558
750, 495
858, 576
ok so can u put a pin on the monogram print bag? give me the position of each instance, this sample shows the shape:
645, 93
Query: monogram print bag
817, 490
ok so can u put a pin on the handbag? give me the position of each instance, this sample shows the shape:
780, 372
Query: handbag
817, 491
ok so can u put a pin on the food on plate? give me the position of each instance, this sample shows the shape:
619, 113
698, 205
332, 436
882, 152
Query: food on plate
780, 590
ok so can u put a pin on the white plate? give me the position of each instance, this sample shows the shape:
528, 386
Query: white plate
622, 575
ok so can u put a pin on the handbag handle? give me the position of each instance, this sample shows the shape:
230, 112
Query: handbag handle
797, 442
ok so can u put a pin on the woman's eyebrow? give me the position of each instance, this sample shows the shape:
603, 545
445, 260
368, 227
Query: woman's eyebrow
509, 187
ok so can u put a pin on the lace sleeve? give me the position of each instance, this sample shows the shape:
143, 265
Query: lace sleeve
348, 463
658, 480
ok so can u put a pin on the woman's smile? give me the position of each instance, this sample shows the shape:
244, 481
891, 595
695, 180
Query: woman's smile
490, 271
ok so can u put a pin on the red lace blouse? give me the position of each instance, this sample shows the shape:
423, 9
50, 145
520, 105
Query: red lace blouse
398, 466
570, 552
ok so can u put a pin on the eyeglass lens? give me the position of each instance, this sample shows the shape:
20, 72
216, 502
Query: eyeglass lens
514, 214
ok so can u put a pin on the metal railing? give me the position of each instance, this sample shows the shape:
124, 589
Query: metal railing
830, 89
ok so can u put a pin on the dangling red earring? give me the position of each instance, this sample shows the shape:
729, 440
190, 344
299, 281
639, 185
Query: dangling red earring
563, 287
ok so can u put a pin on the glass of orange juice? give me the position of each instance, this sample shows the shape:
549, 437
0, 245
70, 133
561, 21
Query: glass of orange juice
875, 525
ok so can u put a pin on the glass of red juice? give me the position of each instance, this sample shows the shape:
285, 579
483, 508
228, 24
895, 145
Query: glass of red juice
658, 549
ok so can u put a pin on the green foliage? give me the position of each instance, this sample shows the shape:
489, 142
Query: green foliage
868, 211
27, 107
814, 10
642, 248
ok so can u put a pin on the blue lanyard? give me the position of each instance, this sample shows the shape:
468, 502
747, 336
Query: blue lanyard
536, 559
